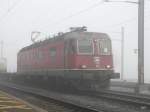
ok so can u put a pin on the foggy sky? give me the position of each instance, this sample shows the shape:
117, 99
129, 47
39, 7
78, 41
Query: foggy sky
52, 16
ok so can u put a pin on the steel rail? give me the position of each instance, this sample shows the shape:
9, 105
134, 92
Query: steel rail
134, 99
73, 106
137, 99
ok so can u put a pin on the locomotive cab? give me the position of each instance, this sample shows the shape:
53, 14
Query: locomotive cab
89, 60
88, 53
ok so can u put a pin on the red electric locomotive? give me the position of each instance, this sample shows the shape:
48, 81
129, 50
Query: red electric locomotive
74, 60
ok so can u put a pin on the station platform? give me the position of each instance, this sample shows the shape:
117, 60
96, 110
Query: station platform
10, 103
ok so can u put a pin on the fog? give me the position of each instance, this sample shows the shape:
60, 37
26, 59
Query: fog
18, 18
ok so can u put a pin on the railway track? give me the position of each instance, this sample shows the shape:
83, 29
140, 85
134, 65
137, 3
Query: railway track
46, 103
105, 101
136, 99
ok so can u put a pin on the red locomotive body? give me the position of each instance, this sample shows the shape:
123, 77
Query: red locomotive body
76, 60
73, 50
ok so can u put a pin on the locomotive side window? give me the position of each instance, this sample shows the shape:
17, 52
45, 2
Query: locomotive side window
85, 46
105, 47
53, 54
40, 54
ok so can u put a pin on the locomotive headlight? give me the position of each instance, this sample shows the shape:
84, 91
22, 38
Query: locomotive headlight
108, 66
84, 66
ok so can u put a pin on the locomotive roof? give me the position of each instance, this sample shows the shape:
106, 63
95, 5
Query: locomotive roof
64, 36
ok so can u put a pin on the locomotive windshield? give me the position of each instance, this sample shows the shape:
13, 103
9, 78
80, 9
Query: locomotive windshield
85, 46
105, 47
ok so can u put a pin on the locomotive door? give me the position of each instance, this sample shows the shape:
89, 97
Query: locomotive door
68, 53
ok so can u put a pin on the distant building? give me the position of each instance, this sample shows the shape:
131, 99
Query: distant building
3, 65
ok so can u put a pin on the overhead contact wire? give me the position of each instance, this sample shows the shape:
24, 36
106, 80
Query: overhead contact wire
10, 9
79, 12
